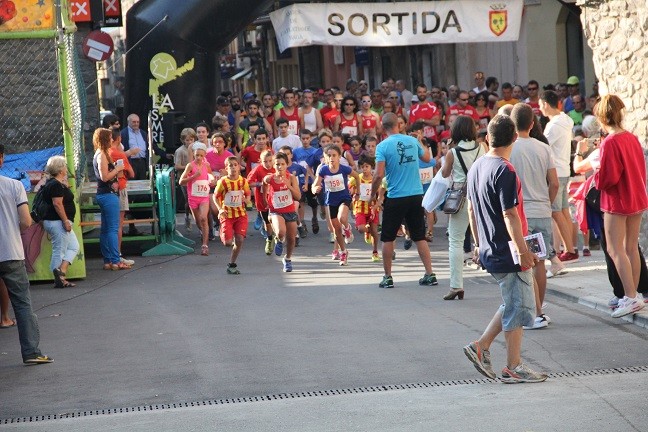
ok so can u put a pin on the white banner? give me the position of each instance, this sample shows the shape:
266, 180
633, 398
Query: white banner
397, 24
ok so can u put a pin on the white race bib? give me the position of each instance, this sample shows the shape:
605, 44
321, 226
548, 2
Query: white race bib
200, 188
350, 130
292, 127
282, 199
233, 198
334, 183
365, 191
426, 174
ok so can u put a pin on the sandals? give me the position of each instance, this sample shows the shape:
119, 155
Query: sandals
204, 251
118, 266
60, 281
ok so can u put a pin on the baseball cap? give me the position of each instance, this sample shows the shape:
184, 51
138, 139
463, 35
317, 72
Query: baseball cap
573, 80
249, 95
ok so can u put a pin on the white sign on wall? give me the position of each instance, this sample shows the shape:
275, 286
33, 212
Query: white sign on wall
397, 24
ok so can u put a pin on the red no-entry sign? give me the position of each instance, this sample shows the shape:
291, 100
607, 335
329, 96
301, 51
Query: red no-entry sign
98, 46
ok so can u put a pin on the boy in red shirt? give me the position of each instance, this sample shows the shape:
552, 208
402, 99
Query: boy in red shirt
255, 180
231, 196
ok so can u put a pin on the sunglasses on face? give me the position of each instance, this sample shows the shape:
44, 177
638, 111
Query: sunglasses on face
349, 104
366, 101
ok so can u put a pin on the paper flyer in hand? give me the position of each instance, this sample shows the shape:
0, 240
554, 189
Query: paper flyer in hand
535, 243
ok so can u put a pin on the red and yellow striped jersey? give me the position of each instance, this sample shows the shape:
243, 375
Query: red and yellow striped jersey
231, 195
362, 205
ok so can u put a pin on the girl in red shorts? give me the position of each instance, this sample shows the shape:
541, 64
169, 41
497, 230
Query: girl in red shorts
365, 217
197, 176
281, 194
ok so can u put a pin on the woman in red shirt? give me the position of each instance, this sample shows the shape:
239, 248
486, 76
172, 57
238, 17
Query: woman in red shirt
349, 122
622, 182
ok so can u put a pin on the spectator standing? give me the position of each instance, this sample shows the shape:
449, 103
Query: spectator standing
59, 220
136, 146
14, 218
480, 82
497, 217
405, 95
182, 158
621, 179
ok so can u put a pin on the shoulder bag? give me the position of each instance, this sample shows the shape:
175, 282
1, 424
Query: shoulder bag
457, 192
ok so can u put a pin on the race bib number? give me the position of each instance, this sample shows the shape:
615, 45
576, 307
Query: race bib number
233, 199
334, 183
350, 130
292, 127
426, 175
365, 192
200, 188
282, 199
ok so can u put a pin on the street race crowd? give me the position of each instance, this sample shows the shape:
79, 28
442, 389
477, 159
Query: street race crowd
502, 162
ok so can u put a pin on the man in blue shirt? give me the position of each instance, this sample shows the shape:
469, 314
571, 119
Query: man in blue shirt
397, 161
133, 137
498, 223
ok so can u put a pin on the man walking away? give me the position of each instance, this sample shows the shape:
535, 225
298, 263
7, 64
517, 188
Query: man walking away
497, 217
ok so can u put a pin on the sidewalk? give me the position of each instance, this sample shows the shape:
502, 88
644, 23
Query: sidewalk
587, 283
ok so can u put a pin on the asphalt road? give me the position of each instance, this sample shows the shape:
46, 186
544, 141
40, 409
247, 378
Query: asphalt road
177, 330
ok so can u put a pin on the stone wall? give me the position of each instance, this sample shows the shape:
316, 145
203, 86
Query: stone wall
617, 31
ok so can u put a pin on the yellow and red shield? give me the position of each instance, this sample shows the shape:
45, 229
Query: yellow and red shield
498, 20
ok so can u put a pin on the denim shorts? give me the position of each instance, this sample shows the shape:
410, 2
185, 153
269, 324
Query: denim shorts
519, 304
543, 226
562, 197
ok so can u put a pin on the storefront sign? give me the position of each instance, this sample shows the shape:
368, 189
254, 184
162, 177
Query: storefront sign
397, 24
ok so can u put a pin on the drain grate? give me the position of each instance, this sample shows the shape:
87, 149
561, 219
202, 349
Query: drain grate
299, 395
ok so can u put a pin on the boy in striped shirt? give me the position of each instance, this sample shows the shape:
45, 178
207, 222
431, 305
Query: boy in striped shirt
366, 218
231, 196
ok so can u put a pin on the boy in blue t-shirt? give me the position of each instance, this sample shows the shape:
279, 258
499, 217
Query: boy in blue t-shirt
303, 156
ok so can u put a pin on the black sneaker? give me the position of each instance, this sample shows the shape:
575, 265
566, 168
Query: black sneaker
41, 359
303, 232
386, 282
428, 279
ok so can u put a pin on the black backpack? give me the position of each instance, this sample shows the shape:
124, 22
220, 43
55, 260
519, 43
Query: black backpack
40, 206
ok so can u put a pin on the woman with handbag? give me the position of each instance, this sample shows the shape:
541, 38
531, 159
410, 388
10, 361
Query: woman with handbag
457, 163
59, 219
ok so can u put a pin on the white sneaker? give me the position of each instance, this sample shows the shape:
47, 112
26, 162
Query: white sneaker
628, 306
555, 271
541, 321
127, 261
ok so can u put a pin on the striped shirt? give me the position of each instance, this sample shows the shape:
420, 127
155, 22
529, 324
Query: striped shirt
363, 204
231, 196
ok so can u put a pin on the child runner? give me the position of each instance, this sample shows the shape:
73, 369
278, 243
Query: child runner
302, 155
300, 172
216, 156
371, 142
182, 158
353, 154
231, 196
280, 192
255, 179
196, 177
366, 219
337, 198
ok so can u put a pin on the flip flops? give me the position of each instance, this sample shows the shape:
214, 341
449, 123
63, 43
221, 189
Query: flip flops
8, 326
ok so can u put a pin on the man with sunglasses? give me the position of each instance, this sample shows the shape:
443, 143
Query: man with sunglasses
462, 108
533, 90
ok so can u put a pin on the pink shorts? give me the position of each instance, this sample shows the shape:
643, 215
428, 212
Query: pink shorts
233, 226
195, 202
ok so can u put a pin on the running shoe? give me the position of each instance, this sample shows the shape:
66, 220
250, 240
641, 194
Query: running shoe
212, 235
331, 238
296, 241
522, 374
258, 222
480, 359
268, 246
232, 269
187, 223
264, 232
555, 270
348, 234
344, 256
367, 237
40, 359
408, 243
303, 232
586, 252
322, 213
628, 306
568, 257
278, 249
386, 282
287, 265
315, 225
428, 279
375, 257
538, 323
335, 256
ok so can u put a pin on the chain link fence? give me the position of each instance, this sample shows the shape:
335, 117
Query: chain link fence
31, 108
